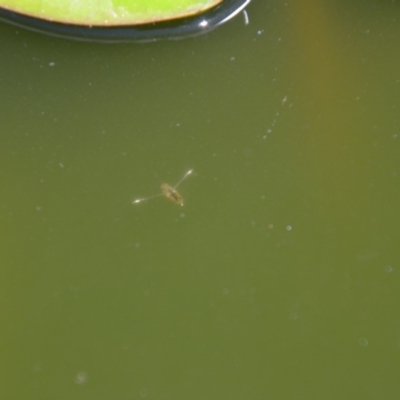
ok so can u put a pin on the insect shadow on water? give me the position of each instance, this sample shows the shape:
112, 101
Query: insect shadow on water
168, 191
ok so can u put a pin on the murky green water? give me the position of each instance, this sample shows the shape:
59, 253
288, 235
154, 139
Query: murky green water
278, 279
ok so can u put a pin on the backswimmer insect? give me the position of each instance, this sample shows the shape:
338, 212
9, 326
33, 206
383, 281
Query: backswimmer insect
168, 191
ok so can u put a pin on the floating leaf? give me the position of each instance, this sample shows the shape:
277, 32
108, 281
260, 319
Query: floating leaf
108, 12
120, 20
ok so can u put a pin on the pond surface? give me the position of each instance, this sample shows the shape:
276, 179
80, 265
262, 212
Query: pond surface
277, 279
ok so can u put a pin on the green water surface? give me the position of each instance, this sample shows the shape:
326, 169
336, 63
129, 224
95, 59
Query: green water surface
278, 279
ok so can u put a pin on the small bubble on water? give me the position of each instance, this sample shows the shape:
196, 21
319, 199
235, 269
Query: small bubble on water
388, 269
225, 290
143, 392
81, 378
289, 228
362, 341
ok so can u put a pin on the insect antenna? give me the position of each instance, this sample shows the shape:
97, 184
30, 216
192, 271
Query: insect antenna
137, 201
183, 178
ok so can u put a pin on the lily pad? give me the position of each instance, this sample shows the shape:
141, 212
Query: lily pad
108, 12
120, 20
